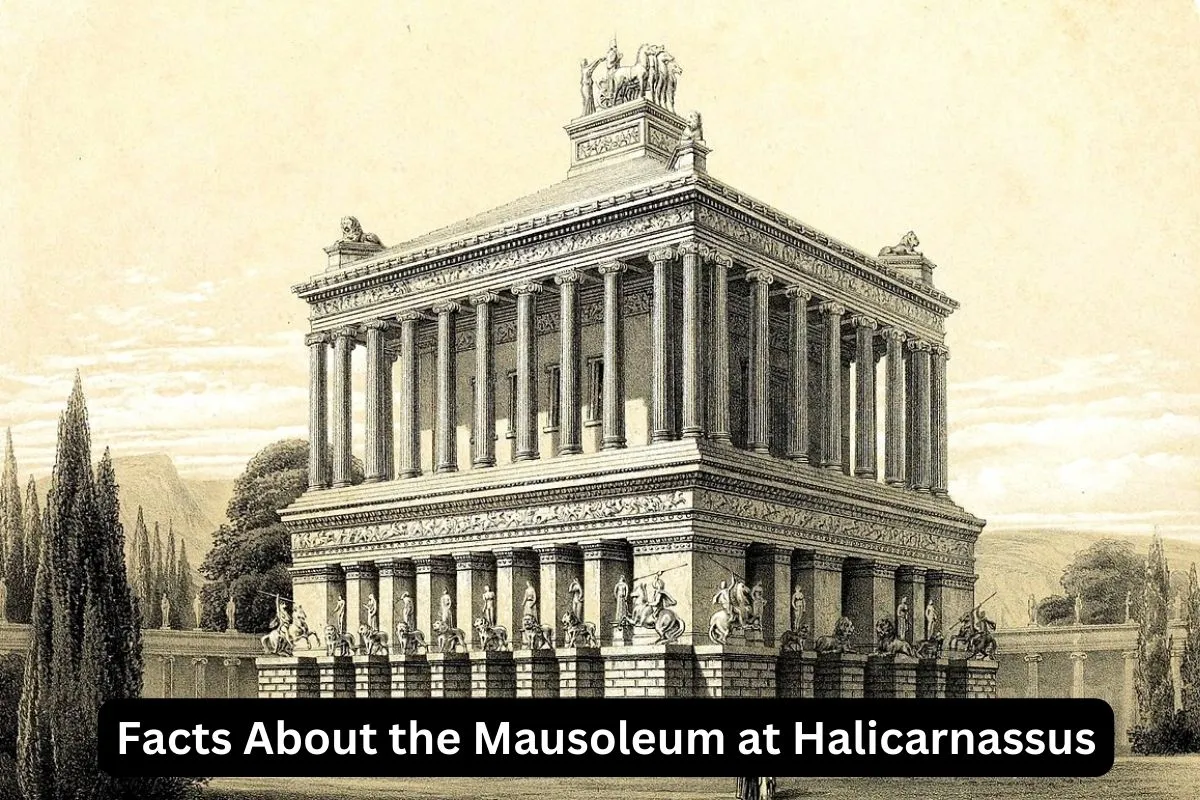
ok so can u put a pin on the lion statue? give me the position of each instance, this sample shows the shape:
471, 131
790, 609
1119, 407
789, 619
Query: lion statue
535, 635
577, 633
352, 231
888, 642
793, 641
839, 642
931, 647
409, 641
449, 640
907, 247
492, 638
337, 644
372, 642
694, 132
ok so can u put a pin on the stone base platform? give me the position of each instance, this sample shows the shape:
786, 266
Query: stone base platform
672, 670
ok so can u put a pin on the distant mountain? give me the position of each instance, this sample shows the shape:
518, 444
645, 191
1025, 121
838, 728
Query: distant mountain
1017, 563
194, 507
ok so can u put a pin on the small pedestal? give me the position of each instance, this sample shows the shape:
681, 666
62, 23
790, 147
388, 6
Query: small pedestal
839, 675
537, 673
891, 676
287, 676
580, 672
730, 671
344, 253
410, 676
449, 675
493, 675
372, 676
931, 677
971, 678
657, 670
794, 673
337, 675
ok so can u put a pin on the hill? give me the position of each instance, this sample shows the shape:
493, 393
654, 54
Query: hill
1017, 563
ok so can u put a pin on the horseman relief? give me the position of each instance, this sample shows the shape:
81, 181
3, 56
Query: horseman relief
606, 82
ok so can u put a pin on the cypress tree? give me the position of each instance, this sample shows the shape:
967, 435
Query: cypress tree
33, 543
170, 580
8, 496
143, 575
185, 589
155, 616
1190, 667
13, 525
1155, 690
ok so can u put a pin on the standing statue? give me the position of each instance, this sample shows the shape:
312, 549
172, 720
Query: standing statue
529, 605
196, 609
1179, 607
1032, 611
931, 621
741, 602
758, 603
165, 607
3, 601
339, 614
489, 606
724, 599
1078, 610
230, 614
406, 610
372, 609
1129, 606
798, 608
903, 619
621, 616
586, 86
447, 609
576, 592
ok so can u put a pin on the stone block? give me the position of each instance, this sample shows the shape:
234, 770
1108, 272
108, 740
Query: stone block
336, 676
931, 677
839, 675
493, 674
287, 676
971, 678
672, 664
537, 673
410, 676
890, 676
580, 672
733, 671
449, 675
372, 676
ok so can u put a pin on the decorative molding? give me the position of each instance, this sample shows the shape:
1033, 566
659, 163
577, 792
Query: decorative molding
606, 143
321, 574
606, 550
431, 565
396, 568
687, 543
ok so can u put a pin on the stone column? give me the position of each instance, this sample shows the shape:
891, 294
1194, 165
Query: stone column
514, 568
771, 566
870, 596
910, 586
362, 581
922, 457
1077, 660
846, 393
831, 434
168, 675
435, 577
819, 576
410, 405
758, 435
373, 463
1127, 716
560, 565
318, 411
604, 563
485, 382
476, 575
569, 424
389, 428
718, 423
1032, 662
798, 298
894, 423
662, 424
342, 394
199, 675
446, 454
527, 384
231, 677
614, 358
865, 436
941, 432
397, 577
693, 383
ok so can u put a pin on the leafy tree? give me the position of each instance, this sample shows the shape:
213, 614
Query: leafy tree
1101, 576
1155, 691
251, 555
12, 526
1056, 610
1190, 666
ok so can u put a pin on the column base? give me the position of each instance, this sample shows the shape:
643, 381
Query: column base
372, 676
493, 674
337, 675
663, 670
288, 676
839, 675
537, 673
794, 673
890, 676
580, 672
449, 675
730, 671
410, 676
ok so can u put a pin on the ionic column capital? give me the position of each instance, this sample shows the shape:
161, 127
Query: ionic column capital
231, 662
941, 351
793, 292
349, 333
860, 321
483, 298
567, 276
660, 254
822, 561
317, 338
870, 569
893, 334
1078, 656
411, 316
396, 568
831, 308
760, 276
529, 287
1130, 655
718, 257
360, 569
376, 325
559, 554
1033, 658
693, 249
199, 660
448, 307
612, 267
320, 574
910, 574
918, 345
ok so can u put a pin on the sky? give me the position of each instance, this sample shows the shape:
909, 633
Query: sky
168, 171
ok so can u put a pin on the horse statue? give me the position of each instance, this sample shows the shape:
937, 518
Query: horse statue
888, 642
720, 625
982, 644
652, 75
409, 641
338, 644
577, 633
372, 642
449, 640
492, 638
839, 642
668, 626
299, 631
277, 643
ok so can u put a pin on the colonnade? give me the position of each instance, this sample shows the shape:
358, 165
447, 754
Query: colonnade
690, 386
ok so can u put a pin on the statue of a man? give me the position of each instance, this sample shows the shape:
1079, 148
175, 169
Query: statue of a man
741, 601
1078, 610
758, 602
230, 614
529, 606
165, 607
576, 592
931, 619
489, 606
447, 609
621, 595
196, 609
372, 609
406, 610
798, 608
1128, 606
903, 616
723, 598
1032, 610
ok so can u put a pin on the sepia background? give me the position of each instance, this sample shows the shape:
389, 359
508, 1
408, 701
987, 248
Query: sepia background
169, 170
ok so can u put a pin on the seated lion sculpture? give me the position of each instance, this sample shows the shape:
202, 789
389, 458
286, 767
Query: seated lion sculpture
352, 232
888, 642
839, 642
907, 247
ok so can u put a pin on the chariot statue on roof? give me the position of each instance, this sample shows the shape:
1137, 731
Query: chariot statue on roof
653, 75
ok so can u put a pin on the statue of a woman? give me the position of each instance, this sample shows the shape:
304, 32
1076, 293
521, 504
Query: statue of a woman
621, 595
165, 607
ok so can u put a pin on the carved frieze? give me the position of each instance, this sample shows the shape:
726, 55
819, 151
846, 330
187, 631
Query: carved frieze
599, 145
504, 261
634, 305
